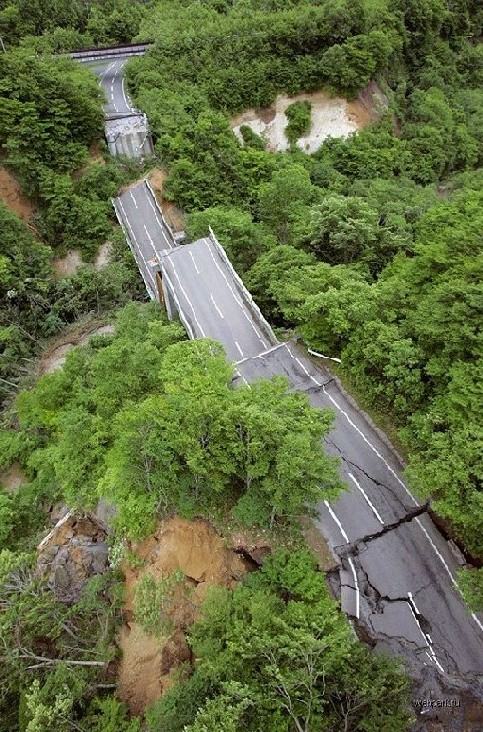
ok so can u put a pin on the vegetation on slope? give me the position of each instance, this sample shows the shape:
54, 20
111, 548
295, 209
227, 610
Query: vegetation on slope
369, 247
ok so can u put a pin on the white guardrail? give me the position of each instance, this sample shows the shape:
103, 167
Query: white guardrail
246, 293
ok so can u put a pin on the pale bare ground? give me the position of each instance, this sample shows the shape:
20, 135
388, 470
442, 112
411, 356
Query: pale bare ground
68, 265
13, 478
55, 355
11, 195
103, 256
332, 116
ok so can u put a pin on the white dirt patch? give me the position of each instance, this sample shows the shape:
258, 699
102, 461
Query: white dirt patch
103, 255
331, 117
68, 265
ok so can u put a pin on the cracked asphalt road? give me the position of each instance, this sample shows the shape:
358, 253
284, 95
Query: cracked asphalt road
397, 575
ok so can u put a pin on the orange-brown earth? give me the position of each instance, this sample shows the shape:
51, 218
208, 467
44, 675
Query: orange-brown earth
195, 549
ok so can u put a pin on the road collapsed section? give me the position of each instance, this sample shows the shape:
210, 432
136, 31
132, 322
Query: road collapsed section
126, 128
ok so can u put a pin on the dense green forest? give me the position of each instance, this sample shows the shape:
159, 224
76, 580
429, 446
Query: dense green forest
369, 249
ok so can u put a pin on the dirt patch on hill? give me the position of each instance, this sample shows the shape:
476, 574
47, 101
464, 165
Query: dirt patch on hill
196, 550
13, 478
68, 265
55, 354
12, 196
331, 117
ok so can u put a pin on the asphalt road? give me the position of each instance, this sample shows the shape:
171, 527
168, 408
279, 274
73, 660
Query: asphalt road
399, 582
146, 232
397, 575
111, 78
211, 300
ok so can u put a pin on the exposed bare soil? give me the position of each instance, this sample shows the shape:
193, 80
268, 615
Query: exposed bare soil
12, 196
55, 354
13, 478
331, 117
103, 255
194, 547
68, 265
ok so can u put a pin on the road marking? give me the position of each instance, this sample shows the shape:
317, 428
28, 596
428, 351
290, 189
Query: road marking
238, 346
262, 354
150, 240
124, 95
236, 298
134, 199
194, 262
160, 223
368, 501
138, 248
242, 377
443, 561
438, 553
224, 276
374, 449
262, 340
188, 300
341, 528
321, 355
356, 583
415, 612
318, 383
182, 316
216, 307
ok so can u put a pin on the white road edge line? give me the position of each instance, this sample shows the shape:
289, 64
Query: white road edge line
341, 528
216, 307
356, 583
426, 636
194, 262
368, 500
188, 301
238, 346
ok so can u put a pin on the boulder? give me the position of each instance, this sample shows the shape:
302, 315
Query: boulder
71, 553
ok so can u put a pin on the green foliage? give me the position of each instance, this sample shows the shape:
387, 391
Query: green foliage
154, 425
471, 584
275, 654
299, 120
243, 240
64, 25
50, 111
153, 600
45, 642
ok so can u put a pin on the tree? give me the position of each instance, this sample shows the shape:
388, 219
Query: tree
341, 230
279, 656
243, 240
277, 200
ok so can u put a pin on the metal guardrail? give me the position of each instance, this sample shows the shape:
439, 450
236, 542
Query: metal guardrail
93, 54
246, 293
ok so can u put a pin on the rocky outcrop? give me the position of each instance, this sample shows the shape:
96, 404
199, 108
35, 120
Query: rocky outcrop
71, 553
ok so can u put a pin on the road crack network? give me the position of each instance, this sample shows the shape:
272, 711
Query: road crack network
353, 549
